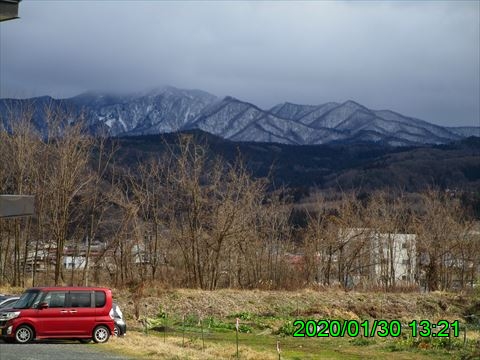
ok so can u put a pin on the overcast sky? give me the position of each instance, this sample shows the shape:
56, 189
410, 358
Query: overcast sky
421, 59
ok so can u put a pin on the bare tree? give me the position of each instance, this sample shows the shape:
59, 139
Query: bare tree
20, 147
204, 199
69, 150
437, 227
390, 216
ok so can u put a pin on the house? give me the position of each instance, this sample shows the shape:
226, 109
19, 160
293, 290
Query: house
395, 257
74, 262
8, 9
364, 255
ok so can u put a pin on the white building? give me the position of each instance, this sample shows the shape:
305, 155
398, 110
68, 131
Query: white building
74, 262
396, 258
383, 258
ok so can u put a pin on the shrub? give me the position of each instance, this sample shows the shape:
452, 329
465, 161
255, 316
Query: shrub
287, 329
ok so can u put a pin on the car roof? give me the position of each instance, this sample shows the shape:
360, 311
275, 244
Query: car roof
67, 288
10, 299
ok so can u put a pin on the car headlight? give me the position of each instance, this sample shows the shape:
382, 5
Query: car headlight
10, 315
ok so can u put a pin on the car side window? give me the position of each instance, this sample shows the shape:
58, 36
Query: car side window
100, 299
55, 299
80, 299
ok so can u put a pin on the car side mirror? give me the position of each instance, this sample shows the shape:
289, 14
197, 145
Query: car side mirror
43, 305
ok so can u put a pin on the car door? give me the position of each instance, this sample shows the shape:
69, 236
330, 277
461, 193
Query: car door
81, 312
53, 321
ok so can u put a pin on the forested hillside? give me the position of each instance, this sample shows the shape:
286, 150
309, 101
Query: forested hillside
192, 210
364, 166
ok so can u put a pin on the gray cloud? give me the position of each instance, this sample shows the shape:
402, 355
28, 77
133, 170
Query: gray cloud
418, 58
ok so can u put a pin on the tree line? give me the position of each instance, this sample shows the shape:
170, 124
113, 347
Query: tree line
183, 218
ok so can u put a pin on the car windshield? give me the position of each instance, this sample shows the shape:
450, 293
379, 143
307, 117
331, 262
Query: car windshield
26, 299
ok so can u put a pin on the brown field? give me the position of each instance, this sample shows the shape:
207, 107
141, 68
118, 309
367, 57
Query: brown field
264, 313
306, 303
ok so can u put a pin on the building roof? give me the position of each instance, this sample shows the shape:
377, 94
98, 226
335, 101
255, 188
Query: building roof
8, 9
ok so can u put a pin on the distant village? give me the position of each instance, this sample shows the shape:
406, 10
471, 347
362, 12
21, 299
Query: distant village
382, 259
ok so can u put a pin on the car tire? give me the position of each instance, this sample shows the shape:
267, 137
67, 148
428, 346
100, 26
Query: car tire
117, 331
101, 334
24, 334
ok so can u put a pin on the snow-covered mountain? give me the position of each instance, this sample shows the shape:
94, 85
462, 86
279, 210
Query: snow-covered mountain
170, 109
465, 131
159, 111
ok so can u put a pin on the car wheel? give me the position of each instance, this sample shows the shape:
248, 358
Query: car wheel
117, 331
101, 334
24, 334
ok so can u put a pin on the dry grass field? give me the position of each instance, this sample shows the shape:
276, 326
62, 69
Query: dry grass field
267, 317
315, 304
151, 346
195, 324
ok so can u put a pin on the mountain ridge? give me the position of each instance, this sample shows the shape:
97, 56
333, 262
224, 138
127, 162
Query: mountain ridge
169, 109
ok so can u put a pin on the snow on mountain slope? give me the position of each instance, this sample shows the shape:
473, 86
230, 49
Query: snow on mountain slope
269, 126
338, 114
162, 110
465, 131
241, 121
432, 129
227, 117
366, 120
312, 117
170, 109
292, 111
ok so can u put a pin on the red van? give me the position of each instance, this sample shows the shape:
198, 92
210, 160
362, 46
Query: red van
59, 312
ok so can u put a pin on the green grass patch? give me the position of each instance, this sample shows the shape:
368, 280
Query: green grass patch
251, 336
